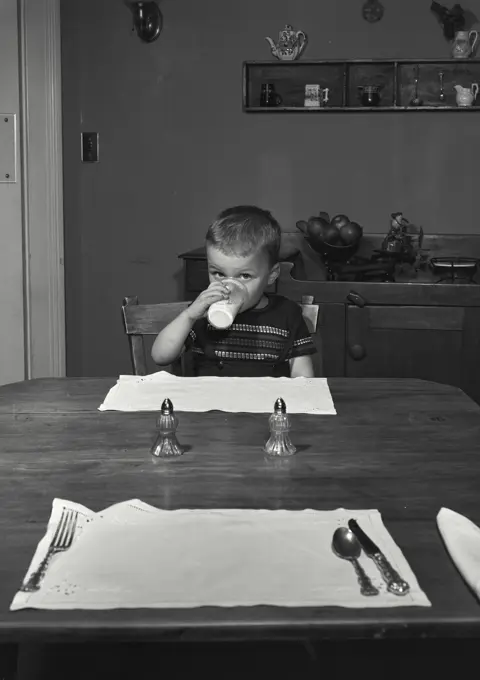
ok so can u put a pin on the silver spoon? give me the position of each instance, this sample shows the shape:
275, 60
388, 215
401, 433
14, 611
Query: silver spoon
441, 96
416, 101
345, 545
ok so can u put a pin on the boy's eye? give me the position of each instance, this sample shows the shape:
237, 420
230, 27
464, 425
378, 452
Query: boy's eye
216, 274
246, 276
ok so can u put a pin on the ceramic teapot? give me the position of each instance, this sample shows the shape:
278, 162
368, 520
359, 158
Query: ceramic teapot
290, 44
462, 45
466, 95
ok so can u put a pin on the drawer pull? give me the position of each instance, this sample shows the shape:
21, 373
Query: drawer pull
356, 299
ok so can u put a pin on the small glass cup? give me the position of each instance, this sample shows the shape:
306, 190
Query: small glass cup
268, 96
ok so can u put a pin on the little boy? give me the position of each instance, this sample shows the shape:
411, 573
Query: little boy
269, 336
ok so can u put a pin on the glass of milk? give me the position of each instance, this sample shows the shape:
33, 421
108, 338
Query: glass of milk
222, 313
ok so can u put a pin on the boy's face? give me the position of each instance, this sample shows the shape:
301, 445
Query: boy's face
254, 271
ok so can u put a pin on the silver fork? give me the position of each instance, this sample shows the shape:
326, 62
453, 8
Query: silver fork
61, 541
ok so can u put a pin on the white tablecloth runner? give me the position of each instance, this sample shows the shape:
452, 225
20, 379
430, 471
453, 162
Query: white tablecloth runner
237, 395
133, 555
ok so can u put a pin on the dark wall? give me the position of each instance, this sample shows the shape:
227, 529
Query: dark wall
175, 147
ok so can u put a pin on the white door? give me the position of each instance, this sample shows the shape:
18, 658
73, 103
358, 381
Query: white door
12, 344
32, 334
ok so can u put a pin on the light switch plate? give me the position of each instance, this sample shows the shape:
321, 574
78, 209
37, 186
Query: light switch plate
89, 149
8, 148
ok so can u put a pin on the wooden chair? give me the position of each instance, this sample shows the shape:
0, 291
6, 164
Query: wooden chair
141, 320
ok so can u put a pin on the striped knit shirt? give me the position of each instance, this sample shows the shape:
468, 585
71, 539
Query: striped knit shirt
259, 343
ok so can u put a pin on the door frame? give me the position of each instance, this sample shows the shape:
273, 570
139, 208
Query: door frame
42, 183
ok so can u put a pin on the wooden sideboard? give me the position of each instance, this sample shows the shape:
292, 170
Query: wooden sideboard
413, 329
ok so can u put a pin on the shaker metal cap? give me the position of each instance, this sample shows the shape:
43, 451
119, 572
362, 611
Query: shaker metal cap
167, 407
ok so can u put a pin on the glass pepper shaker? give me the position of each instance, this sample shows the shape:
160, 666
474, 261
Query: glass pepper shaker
166, 444
279, 442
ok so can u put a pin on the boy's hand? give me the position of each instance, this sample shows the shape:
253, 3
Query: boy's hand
215, 292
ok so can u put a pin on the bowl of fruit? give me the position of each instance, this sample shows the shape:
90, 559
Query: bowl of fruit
336, 239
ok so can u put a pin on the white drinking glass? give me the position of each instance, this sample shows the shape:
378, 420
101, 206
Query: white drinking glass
222, 314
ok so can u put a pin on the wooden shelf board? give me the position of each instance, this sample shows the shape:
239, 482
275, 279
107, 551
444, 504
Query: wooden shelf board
342, 109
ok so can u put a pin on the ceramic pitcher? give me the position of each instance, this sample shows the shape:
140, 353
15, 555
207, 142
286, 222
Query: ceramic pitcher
466, 95
462, 45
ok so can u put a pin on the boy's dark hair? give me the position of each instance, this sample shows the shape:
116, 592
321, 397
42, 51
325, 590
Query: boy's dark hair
243, 229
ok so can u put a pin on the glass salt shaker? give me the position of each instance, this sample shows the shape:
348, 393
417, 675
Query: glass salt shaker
279, 442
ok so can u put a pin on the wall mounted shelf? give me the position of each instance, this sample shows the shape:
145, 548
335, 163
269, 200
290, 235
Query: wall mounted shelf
343, 78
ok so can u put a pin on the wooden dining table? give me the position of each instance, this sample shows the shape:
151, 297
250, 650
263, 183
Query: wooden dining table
405, 447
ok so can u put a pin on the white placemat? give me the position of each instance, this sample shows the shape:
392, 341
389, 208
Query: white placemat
236, 395
133, 555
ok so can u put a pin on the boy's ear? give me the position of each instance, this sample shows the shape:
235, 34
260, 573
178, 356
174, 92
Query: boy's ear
274, 273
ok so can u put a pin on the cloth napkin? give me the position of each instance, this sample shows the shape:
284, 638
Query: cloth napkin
236, 395
462, 540
133, 555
